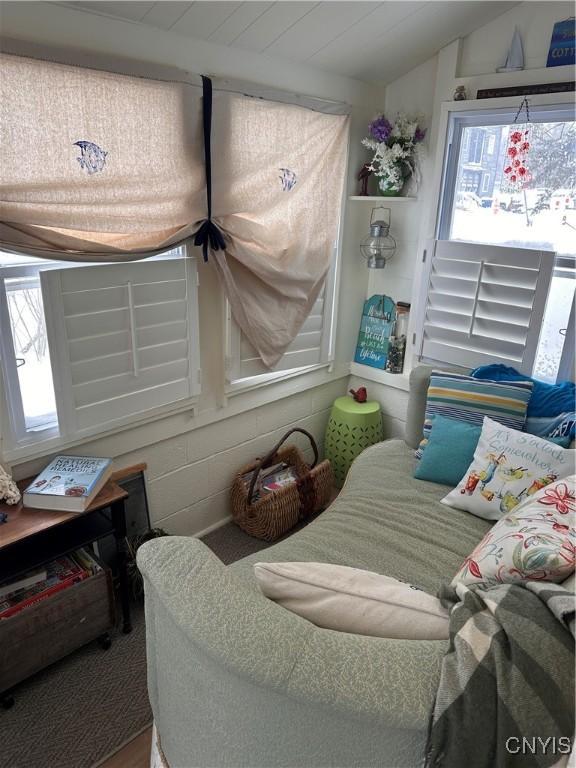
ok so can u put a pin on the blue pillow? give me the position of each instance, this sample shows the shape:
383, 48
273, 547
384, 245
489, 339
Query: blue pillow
449, 451
546, 400
558, 429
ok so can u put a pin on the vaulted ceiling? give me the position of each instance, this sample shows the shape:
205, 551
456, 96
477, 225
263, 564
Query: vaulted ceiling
371, 41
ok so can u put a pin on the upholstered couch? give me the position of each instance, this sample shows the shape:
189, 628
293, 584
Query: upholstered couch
236, 680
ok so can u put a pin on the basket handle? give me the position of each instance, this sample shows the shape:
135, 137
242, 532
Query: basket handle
270, 455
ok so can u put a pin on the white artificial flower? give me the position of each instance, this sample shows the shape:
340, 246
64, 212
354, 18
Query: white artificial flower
396, 158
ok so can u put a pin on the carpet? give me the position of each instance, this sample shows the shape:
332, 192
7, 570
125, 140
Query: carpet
86, 706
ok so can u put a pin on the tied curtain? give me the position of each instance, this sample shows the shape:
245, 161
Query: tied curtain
278, 176
96, 166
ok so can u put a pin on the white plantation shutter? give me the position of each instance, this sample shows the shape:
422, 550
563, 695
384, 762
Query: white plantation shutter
484, 304
123, 339
311, 346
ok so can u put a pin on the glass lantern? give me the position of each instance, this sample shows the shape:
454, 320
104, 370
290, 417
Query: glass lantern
379, 246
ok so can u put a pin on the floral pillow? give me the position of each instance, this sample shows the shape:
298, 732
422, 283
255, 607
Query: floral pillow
508, 467
535, 541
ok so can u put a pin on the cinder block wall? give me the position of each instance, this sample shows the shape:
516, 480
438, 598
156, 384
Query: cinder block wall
189, 476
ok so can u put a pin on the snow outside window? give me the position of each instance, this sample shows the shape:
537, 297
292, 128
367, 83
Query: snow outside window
479, 206
86, 349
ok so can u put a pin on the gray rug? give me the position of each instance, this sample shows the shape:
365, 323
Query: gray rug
85, 707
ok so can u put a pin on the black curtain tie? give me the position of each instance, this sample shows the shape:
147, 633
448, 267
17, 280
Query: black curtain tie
208, 235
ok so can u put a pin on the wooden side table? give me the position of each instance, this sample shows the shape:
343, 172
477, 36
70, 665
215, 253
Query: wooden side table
32, 537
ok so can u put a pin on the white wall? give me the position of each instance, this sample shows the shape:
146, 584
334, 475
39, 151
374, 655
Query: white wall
412, 94
471, 62
192, 457
485, 49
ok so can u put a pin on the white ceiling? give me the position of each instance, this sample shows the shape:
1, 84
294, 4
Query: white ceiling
371, 41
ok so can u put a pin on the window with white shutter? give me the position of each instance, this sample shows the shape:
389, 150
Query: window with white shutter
123, 340
499, 284
484, 304
312, 346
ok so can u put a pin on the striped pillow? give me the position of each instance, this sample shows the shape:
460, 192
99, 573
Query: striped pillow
467, 399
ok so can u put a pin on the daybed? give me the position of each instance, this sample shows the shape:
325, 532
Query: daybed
237, 680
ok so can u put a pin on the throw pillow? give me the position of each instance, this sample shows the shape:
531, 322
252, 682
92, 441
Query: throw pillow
535, 541
449, 451
559, 429
508, 467
468, 399
547, 399
351, 600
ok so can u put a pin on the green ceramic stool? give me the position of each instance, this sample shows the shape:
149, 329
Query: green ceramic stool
352, 427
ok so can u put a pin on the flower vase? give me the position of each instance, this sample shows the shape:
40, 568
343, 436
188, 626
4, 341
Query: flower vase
385, 190
391, 186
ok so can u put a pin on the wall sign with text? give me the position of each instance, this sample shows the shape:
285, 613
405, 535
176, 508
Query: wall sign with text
378, 318
561, 50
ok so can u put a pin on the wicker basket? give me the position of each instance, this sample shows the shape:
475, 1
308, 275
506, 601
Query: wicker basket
277, 512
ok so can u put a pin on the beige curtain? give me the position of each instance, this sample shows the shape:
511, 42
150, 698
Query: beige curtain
94, 164
278, 175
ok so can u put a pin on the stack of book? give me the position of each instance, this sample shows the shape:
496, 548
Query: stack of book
270, 479
37, 585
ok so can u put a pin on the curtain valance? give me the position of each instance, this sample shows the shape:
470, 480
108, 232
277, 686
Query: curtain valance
97, 166
94, 163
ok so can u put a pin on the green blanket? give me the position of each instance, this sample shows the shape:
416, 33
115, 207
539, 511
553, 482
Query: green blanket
506, 691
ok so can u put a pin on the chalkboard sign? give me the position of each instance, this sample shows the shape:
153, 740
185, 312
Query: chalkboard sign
378, 318
561, 50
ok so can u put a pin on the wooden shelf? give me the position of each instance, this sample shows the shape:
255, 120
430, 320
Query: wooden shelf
381, 198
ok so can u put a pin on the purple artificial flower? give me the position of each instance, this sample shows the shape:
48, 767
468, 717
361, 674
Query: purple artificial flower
420, 134
380, 128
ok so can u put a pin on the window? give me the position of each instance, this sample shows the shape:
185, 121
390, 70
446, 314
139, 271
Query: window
311, 347
476, 146
24, 348
95, 347
478, 206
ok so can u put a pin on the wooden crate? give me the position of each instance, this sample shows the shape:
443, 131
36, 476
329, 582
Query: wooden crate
45, 632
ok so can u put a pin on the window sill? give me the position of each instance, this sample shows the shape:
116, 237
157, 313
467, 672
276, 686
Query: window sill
394, 380
181, 420
55, 444
248, 385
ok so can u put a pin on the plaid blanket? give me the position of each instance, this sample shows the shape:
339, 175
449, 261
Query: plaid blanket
506, 692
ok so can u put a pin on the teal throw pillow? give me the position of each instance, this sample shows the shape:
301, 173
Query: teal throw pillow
449, 451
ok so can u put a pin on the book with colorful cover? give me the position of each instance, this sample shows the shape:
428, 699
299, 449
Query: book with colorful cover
69, 483
87, 561
27, 580
61, 573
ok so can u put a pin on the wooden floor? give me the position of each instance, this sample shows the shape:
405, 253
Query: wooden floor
136, 754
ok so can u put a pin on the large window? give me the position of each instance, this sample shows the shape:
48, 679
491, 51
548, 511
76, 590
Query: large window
479, 205
88, 349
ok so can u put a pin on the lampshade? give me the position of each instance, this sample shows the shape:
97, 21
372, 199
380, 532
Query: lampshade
379, 246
